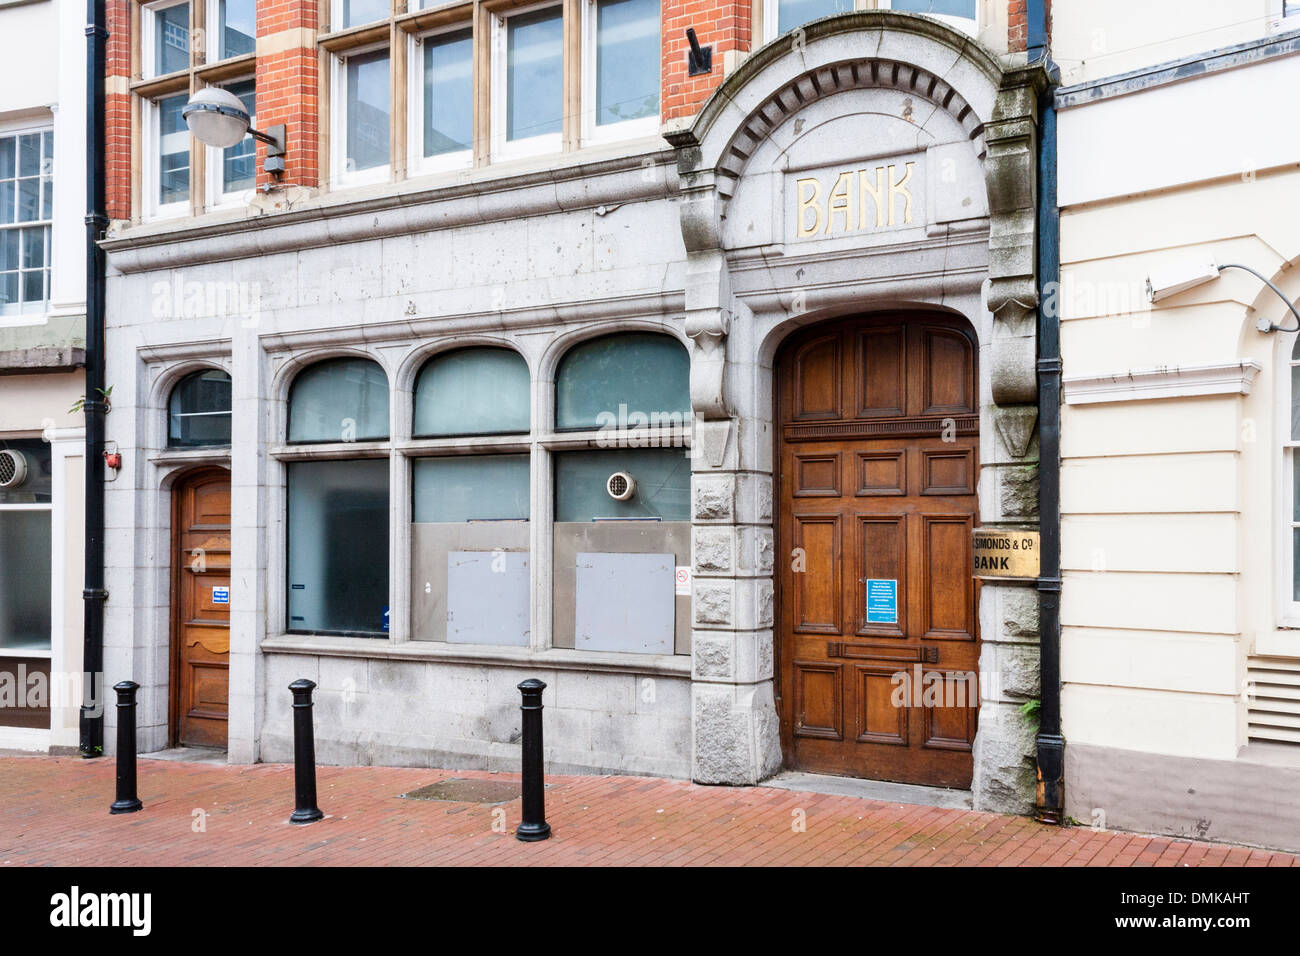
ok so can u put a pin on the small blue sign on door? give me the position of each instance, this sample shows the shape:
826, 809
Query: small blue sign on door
220, 595
882, 601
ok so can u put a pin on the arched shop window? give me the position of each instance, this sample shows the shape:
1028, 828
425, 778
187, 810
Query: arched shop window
470, 509
622, 509
342, 399
473, 391
636, 378
198, 412
338, 502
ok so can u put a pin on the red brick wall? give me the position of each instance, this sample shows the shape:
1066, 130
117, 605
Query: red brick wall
117, 110
1018, 24
723, 24
288, 91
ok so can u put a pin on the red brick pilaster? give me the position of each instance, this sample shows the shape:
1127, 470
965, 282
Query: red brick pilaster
723, 24
287, 88
117, 109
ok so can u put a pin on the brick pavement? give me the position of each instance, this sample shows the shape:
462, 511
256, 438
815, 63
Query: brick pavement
54, 810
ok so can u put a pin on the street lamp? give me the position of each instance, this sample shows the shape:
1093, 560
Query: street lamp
217, 117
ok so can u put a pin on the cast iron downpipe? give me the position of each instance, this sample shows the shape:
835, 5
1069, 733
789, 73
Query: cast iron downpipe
94, 595
1050, 798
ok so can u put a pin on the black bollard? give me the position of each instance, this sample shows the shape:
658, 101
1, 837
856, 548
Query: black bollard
534, 826
304, 755
127, 801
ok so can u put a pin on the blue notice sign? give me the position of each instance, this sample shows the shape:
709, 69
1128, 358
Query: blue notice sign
385, 625
882, 601
220, 595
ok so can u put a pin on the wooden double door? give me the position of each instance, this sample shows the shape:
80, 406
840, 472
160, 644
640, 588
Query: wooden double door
200, 606
877, 650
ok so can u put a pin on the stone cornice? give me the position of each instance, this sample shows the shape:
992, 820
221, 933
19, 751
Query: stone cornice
1186, 381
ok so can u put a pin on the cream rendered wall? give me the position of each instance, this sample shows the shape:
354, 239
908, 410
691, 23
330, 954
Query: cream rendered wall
1169, 520
1096, 38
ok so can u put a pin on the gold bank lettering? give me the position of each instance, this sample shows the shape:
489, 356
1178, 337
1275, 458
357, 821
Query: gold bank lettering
845, 206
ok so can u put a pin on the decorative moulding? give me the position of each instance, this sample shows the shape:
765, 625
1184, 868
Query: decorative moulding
1165, 381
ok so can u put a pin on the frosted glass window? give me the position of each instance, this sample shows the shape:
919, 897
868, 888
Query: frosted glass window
477, 391
534, 73
339, 400
368, 110
173, 151
338, 545
448, 93
357, 12
471, 488
663, 484
627, 60
619, 378
25, 546
237, 26
171, 41
199, 410
795, 13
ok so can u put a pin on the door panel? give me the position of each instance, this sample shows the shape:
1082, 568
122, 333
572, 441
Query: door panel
201, 609
878, 458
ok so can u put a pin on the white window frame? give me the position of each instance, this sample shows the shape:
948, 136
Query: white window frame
416, 161
21, 317
148, 30
336, 16
501, 148
213, 19
339, 175
627, 129
217, 196
151, 172
1288, 609
1279, 21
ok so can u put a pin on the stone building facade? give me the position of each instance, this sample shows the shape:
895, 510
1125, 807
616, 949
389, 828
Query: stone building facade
321, 315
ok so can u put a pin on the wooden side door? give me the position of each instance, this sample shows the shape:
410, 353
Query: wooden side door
200, 602
878, 648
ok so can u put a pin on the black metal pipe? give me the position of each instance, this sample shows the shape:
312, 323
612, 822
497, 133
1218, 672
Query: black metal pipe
1050, 796
127, 801
91, 718
533, 827
304, 755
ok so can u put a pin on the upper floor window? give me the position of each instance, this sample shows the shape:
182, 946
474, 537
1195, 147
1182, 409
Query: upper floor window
626, 380
354, 13
236, 28
472, 391
198, 412
364, 111
166, 37
527, 81
444, 108
167, 157
233, 170
26, 213
339, 400
782, 16
621, 86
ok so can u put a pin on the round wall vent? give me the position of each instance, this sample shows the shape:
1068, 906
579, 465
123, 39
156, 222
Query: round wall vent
620, 485
13, 468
